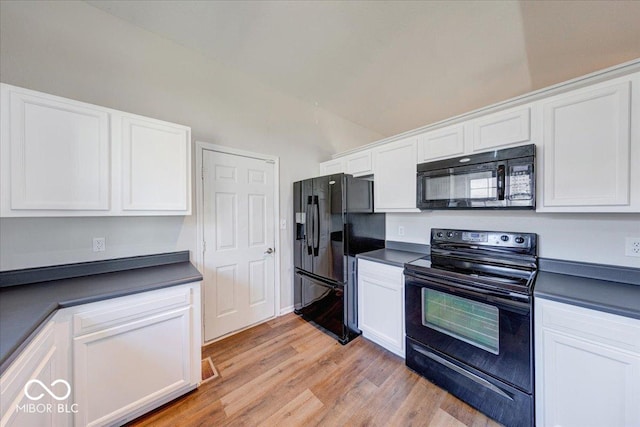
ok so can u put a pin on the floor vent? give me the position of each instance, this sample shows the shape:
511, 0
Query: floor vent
209, 371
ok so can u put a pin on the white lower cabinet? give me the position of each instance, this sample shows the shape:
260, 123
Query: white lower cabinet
134, 353
36, 389
381, 304
587, 367
116, 359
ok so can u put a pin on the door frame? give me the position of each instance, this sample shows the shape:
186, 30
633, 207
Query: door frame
201, 146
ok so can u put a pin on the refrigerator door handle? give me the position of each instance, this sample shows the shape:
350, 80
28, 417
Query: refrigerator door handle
316, 224
308, 228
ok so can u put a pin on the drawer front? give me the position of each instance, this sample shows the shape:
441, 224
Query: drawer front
392, 274
114, 312
605, 328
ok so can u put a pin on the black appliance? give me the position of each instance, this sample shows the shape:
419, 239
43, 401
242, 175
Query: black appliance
468, 314
334, 222
501, 179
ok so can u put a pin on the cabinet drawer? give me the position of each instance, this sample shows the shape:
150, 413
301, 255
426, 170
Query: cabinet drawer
380, 271
110, 313
617, 331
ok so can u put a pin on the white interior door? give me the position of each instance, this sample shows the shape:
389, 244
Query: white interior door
238, 231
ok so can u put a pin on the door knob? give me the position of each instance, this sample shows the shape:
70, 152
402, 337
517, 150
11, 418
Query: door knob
269, 251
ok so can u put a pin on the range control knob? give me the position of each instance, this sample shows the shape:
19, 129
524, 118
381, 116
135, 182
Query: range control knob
519, 240
449, 233
439, 234
504, 238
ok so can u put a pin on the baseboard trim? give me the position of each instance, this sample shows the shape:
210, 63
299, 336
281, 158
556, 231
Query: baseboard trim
286, 310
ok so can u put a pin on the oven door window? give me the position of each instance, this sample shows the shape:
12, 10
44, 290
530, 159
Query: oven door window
473, 322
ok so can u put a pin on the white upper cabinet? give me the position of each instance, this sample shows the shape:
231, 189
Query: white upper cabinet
591, 142
395, 176
357, 164
55, 154
158, 182
360, 163
490, 132
62, 157
332, 166
441, 143
502, 129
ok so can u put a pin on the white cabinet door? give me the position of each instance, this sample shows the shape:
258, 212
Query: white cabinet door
441, 143
395, 176
60, 157
381, 305
588, 149
156, 166
55, 154
36, 389
587, 367
359, 164
502, 129
132, 354
332, 166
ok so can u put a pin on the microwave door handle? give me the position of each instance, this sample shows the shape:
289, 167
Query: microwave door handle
501, 182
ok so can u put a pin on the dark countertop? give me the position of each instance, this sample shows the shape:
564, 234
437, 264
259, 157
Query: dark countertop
612, 297
393, 257
24, 308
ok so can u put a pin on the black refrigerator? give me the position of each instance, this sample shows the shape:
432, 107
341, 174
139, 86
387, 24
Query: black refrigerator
334, 222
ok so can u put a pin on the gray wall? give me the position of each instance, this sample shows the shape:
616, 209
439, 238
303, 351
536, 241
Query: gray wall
74, 50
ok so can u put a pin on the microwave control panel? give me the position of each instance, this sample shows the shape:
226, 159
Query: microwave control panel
520, 182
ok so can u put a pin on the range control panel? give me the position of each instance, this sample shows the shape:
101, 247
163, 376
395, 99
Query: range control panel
482, 238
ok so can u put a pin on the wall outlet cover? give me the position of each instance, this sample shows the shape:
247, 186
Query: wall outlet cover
99, 244
632, 246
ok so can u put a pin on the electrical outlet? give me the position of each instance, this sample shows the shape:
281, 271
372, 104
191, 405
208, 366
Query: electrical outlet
99, 244
632, 246
400, 231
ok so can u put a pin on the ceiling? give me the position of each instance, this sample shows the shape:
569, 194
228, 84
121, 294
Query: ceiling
392, 66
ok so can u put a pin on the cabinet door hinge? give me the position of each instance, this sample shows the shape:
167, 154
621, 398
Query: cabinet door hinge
204, 246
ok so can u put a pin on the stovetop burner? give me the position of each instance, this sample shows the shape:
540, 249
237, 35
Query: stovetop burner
494, 260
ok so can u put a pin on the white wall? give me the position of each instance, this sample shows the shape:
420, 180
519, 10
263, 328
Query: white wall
595, 238
74, 50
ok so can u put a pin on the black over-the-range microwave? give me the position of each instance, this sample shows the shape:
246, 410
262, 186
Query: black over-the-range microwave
501, 179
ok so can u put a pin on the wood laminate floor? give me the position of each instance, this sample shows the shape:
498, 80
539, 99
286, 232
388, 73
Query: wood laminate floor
288, 373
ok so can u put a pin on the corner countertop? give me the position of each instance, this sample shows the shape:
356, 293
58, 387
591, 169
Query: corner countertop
25, 307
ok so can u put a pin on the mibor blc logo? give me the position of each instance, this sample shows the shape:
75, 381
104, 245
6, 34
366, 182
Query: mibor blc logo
35, 390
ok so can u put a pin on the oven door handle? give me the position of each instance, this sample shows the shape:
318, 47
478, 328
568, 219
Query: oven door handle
504, 297
464, 372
